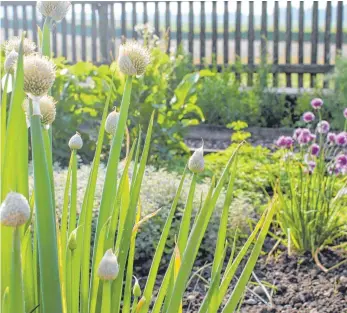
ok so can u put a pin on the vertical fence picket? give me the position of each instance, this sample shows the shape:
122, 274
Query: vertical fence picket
103, 33
250, 43
134, 20
167, 25
94, 33
34, 22
6, 20
226, 34
123, 19
327, 37
191, 31
263, 32
15, 20
276, 43
238, 36
202, 32
145, 14
73, 32
54, 39
156, 18
301, 41
113, 31
339, 27
64, 37
314, 39
214, 32
179, 23
25, 20
289, 41
83, 31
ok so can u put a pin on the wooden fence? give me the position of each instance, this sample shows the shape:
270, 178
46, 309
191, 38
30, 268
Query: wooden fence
213, 32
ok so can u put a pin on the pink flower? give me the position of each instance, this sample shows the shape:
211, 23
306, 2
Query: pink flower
331, 137
323, 127
345, 113
305, 136
308, 117
317, 103
341, 160
315, 149
341, 139
285, 142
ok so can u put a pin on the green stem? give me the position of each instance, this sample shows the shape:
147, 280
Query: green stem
3, 120
45, 224
106, 297
73, 205
16, 284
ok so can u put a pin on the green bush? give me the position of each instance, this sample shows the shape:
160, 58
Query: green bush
81, 90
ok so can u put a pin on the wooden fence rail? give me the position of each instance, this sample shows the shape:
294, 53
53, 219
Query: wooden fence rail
291, 40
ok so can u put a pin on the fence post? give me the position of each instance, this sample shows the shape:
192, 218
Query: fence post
103, 34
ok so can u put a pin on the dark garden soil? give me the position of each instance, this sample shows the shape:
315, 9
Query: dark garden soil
218, 138
299, 285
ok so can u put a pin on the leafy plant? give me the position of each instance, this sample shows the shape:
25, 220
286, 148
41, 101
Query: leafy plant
312, 185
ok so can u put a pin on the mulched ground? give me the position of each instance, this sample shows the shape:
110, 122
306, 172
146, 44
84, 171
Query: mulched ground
300, 286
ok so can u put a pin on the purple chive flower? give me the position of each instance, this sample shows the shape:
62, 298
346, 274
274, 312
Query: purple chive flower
317, 103
285, 142
315, 149
305, 136
345, 113
323, 127
311, 165
297, 133
341, 139
341, 160
308, 117
331, 137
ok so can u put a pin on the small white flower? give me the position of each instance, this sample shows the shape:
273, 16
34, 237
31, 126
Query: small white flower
15, 210
76, 142
13, 44
39, 75
133, 58
112, 122
57, 10
47, 109
10, 61
108, 267
196, 162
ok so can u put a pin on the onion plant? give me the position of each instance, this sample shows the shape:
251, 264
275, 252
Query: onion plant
51, 267
313, 183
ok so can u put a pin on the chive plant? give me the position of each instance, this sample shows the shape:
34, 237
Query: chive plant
313, 184
53, 266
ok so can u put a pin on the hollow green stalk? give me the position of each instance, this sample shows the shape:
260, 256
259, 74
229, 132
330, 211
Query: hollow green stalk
16, 286
106, 297
45, 223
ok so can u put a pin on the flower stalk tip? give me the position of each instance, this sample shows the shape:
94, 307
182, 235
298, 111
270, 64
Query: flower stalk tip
108, 267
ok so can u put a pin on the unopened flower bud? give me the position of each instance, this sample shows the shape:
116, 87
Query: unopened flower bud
133, 58
14, 43
196, 162
72, 244
137, 289
111, 122
15, 210
47, 109
108, 267
345, 112
39, 75
57, 10
76, 142
10, 61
